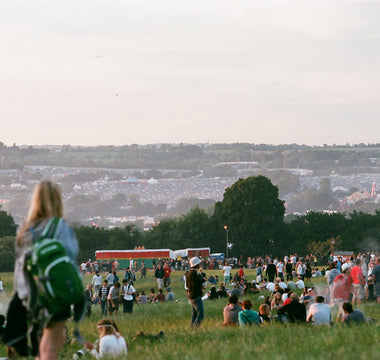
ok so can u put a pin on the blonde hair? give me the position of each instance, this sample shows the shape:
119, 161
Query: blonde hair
46, 202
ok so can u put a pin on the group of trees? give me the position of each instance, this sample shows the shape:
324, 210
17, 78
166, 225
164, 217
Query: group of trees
250, 211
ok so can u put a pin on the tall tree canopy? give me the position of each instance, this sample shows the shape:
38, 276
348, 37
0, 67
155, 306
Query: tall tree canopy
253, 214
7, 224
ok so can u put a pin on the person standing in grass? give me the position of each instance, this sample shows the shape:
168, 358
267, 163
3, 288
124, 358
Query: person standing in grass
128, 291
113, 298
88, 294
143, 270
97, 282
167, 272
376, 276
46, 203
358, 283
159, 276
342, 289
102, 296
194, 284
227, 272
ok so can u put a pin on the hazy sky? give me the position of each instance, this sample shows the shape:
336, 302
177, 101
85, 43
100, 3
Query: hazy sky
97, 72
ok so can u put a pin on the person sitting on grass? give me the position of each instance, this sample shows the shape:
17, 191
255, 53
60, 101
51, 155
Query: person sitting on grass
212, 294
169, 294
294, 311
277, 301
319, 312
231, 311
248, 316
264, 313
111, 343
222, 293
142, 298
352, 316
151, 295
160, 297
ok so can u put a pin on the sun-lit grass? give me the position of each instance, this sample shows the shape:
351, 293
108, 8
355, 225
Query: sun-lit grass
212, 341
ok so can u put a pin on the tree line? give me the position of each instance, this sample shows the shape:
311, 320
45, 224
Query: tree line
249, 220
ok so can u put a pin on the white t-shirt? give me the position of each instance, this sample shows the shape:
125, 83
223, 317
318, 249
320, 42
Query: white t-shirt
97, 280
300, 284
109, 279
280, 267
269, 286
320, 313
227, 270
128, 289
110, 346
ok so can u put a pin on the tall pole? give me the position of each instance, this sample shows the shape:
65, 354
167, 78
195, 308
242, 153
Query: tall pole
226, 228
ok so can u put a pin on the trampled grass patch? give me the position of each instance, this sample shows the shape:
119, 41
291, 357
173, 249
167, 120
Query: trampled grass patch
213, 341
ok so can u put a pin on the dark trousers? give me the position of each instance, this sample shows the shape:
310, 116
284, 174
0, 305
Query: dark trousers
198, 311
104, 307
127, 306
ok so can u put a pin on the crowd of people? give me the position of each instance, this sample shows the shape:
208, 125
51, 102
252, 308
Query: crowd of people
111, 291
348, 283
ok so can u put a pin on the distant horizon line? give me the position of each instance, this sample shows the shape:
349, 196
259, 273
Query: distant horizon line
193, 143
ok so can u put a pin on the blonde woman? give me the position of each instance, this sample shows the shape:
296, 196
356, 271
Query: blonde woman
111, 343
46, 203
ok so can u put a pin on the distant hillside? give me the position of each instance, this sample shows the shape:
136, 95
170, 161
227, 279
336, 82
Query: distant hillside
322, 160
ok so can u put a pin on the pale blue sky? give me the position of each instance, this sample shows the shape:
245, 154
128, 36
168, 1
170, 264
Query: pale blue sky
92, 72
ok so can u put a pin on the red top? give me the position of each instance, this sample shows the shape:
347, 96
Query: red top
241, 272
357, 275
167, 272
287, 301
342, 287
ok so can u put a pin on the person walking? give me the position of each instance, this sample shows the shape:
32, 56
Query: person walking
88, 294
341, 289
46, 203
102, 296
128, 292
194, 284
159, 276
143, 270
96, 282
167, 272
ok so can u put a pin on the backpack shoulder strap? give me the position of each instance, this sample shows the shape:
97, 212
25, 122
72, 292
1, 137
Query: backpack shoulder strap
51, 228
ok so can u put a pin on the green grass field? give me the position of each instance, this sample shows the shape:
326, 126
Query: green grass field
212, 341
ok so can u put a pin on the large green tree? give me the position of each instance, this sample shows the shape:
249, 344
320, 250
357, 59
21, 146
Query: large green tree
253, 214
7, 224
7, 253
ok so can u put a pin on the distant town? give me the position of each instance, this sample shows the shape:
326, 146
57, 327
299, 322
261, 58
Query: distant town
104, 187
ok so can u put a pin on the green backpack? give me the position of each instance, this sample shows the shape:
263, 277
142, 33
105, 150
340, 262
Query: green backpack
58, 281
